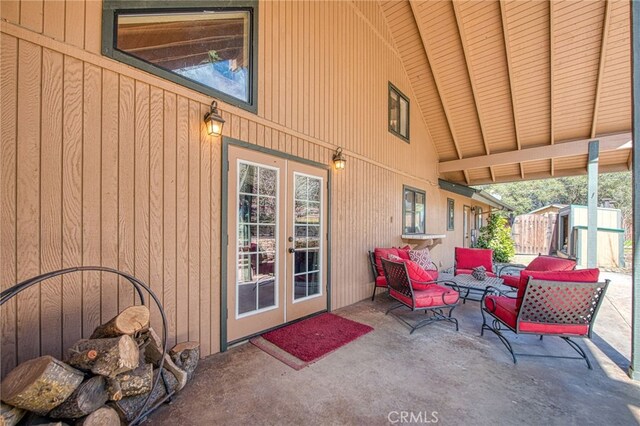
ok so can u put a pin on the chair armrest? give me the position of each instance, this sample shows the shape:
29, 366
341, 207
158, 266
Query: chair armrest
493, 291
516, 267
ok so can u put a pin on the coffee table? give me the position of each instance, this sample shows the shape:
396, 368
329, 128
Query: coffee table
473, 289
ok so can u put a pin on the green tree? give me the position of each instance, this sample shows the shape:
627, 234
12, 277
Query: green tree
496, 235
530, 195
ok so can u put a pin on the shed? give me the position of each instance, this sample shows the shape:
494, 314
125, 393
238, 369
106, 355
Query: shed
572, 235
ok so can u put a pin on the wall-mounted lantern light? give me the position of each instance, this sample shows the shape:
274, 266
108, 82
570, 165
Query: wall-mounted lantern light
339, 160
214, 120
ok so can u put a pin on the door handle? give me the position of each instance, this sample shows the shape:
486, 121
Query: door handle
292, 250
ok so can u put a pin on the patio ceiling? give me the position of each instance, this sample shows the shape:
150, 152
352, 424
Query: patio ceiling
499, 82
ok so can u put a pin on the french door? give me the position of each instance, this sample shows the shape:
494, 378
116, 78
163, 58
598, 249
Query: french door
277, 251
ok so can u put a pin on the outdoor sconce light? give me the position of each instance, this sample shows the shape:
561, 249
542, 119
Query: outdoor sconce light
339, 160
214, 120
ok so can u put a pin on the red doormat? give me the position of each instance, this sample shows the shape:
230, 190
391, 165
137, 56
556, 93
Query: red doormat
307, 341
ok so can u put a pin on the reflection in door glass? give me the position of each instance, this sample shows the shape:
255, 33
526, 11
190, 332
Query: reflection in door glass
308, 243
256, 239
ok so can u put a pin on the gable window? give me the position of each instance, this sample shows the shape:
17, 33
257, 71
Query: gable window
413, 211
210, 49
398, 113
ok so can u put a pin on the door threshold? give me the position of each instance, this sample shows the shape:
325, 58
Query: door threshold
246, 339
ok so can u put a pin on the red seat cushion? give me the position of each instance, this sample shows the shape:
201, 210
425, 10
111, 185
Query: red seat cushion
577, 276
381, 281
511, 280
467, 258
469, 271
505, 308
551, 263
502, 307
432, 295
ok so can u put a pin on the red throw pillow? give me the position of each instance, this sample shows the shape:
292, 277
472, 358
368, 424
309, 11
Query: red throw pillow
403, 252
551, 263
383, 253
577, 276
467, 258
418, 276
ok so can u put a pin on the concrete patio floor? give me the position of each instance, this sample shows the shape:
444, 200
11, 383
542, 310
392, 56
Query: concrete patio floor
466, 379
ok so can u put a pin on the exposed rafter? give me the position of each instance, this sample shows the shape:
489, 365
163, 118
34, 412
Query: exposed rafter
436, 79
472, 79
603, 54
514, 110
545, 152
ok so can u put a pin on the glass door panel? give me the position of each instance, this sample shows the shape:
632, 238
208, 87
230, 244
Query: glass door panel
257, 245
255, 261
307, 251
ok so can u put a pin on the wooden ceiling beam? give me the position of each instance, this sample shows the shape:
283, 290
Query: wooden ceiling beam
551, 61
514, 110
545, 152
472, 79
436, 79
603, 54
612, 168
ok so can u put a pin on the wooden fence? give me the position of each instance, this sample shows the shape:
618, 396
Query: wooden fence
534, 233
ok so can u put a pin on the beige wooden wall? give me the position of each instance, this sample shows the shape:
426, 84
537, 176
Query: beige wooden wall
103, 164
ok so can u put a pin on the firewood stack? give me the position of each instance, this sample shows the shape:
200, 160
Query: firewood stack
105, 380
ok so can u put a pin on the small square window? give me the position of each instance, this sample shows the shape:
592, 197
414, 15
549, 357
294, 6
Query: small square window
413, 211
398, 113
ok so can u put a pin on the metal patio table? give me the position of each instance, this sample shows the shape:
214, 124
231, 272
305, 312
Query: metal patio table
473, 289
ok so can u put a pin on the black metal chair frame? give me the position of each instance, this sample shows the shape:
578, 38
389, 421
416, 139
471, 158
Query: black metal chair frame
584, 312
138, 286
398, 280
374, 270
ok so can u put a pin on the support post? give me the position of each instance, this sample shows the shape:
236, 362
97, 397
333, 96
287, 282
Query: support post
634, 368
592, 205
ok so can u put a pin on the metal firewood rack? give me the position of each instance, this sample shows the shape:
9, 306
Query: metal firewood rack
140, 288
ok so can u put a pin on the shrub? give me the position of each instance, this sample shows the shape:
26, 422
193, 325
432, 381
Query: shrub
496, 235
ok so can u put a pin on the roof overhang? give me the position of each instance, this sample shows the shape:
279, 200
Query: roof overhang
475, 194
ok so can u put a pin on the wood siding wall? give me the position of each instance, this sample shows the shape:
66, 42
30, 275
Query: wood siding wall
103, 164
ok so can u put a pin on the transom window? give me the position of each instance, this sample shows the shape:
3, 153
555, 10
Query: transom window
207, 49
413, 211
398, 113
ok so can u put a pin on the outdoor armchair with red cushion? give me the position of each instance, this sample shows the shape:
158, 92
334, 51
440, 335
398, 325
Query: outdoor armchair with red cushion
549, 303
416, 289
510, 272
375, 261
468, 258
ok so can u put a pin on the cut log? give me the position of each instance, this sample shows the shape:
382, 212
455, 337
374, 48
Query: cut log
136, 382
88, 397
9, 415
132, 320
106, 357
104, 416
153, 354
128, 408
186, 355
113, 389
40, 384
